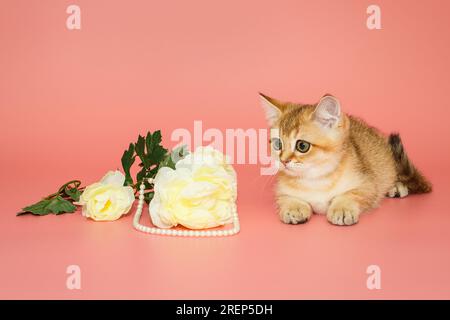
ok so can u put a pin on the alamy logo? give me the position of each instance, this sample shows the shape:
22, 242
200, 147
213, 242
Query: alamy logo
74, 279
374, 19
374, 278
73, 21
248, 146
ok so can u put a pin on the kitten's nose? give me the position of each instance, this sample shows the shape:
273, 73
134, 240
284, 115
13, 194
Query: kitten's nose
285, 157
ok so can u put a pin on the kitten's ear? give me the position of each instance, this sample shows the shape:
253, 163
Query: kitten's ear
328, 112
272, 108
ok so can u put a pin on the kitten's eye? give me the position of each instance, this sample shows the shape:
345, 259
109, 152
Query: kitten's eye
302, 146
276, 144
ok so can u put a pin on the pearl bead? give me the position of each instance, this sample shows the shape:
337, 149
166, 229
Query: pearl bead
142, 186
186, 233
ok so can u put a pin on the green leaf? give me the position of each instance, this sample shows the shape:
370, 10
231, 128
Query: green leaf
153, 140
158, 154
151, 153
167, 162
69, 189
155, 152
55, 205
127, 161
59, 205
39, 208
173, 157
140, 145
140, 151
141, 175
73, 193
148, 185
148, 196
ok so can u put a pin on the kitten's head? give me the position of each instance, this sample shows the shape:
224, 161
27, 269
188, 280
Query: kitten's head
307, 140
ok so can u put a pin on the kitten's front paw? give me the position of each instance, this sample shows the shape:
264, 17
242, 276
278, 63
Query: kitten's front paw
295, 212
343, 212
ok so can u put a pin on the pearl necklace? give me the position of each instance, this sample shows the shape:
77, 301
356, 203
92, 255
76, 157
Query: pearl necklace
184, 233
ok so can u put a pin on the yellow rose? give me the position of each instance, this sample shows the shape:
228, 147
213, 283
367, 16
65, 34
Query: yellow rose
200, 193
108, 199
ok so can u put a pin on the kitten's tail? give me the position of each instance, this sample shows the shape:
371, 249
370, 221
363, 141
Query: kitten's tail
407, 173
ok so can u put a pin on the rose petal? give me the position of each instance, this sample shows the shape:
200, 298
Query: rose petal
198, 194
115, 178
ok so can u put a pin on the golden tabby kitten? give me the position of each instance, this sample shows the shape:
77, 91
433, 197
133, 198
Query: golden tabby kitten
334, 164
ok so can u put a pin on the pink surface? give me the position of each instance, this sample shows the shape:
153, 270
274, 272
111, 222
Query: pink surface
71, 101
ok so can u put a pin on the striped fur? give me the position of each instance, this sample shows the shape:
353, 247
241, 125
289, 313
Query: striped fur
407, 173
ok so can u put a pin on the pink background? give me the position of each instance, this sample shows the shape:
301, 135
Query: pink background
71, 101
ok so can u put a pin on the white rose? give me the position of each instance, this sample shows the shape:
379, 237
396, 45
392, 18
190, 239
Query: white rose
108, 199
200, 193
